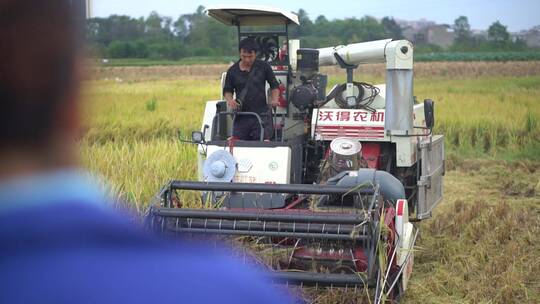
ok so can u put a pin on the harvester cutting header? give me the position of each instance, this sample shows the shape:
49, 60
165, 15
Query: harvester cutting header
334, 192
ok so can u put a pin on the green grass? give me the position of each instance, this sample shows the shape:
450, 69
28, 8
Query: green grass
441, 56
479, 56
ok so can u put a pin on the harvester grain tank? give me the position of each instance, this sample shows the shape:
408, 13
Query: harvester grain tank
334, 194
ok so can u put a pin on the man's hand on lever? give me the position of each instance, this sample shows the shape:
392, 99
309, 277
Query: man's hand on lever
275, 98
231, 102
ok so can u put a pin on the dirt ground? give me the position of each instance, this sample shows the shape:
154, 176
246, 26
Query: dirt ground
421, 69
483, 243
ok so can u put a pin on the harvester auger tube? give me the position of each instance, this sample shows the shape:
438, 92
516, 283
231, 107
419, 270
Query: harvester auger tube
391, 188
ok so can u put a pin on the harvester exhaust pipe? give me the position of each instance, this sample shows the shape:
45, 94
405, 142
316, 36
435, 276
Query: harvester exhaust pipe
399, 88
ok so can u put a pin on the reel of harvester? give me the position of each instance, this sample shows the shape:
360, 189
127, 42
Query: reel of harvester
331, 235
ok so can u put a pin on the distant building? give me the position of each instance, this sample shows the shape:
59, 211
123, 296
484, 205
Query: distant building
415, 25
408, 33
531, 36
483, 34
427, 32
440, 34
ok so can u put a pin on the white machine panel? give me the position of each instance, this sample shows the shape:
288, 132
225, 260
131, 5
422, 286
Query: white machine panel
328, 124
260, 164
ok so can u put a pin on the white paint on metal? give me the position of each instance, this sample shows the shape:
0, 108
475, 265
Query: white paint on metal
345, 146
396, 54
399, 55
268, 164
251, 15
404, 245
294, 45
356, 53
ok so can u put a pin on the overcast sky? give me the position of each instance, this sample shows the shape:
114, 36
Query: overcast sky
516, 14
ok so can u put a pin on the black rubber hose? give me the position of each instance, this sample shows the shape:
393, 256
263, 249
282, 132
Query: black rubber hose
361, 102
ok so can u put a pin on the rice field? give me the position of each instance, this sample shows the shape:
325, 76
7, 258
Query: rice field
482, 244
421, 69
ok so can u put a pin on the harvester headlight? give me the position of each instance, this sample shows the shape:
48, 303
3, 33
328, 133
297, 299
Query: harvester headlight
197, 136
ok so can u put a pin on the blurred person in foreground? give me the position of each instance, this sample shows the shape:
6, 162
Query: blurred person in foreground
59, 241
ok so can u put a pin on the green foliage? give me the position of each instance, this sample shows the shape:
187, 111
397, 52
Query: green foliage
166, 51
498, 39
391, 28
531, 122
324, 33
203, 51
151, 104
427, 49
423, 53
125, 49
478, 56
498, 33
159, 37
306, 27
462, 29
119, 49
103, 31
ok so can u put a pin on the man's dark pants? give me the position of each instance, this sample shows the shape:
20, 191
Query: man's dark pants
247, 127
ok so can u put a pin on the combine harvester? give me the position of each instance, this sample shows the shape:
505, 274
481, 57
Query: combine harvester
331, 200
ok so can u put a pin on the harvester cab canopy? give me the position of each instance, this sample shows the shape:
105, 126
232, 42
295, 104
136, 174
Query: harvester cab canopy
252, 15
267, 25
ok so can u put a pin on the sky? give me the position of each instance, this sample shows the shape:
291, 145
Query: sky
515, 14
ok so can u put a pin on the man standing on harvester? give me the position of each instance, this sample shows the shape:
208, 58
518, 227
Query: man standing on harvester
247, 78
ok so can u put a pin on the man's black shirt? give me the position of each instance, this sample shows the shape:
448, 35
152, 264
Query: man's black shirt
255, 100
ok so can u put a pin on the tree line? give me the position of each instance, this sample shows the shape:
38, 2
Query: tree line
161, 37
498, 38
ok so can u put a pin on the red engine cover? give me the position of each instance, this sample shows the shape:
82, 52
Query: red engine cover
371, 152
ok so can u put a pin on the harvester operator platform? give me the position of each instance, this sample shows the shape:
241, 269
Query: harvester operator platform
247, 79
